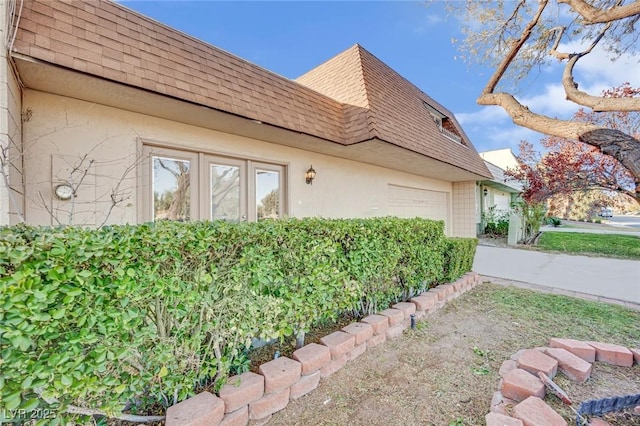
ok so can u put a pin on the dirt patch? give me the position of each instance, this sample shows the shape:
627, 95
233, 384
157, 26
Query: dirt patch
286, 348
443, 373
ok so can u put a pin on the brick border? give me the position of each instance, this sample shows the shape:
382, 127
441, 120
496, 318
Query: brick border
257, 396
520, 394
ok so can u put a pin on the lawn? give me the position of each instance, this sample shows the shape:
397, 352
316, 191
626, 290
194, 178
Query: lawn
446, 371
608, 245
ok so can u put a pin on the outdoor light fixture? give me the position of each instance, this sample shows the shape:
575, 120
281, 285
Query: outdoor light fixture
63, 191
310, 175
485, 192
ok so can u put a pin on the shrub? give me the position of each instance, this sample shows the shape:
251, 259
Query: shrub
552, 221
121, 314
496, 222
147, 314
459, 256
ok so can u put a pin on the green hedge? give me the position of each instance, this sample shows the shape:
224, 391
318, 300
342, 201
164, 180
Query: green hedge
149, 313
459, 256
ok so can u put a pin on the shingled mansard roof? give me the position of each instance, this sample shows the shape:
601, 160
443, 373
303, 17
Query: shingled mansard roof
351, 98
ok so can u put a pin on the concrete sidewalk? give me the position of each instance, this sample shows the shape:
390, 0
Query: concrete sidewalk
598, 278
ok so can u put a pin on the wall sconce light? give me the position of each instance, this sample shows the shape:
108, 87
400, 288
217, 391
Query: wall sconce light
485, 192
310, 175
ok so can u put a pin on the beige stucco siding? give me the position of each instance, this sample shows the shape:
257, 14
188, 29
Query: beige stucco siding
60, 131
464, 209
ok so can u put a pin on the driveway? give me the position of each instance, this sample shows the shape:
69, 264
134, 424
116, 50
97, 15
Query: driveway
628, 221
598, 278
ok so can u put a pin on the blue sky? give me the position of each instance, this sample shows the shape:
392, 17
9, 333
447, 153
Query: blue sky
290, 38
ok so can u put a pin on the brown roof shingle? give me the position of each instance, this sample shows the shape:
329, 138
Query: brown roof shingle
351, 98
395, 108
107, 40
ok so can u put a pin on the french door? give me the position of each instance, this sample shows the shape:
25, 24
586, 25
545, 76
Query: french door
179, 185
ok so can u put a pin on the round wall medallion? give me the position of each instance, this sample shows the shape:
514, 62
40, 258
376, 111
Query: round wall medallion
63, 191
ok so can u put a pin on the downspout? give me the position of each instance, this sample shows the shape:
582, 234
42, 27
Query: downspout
479, 189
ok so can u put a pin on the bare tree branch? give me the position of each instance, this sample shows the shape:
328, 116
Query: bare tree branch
594, 15
116, 196
625, 148
596, 103
516, 45
46, 207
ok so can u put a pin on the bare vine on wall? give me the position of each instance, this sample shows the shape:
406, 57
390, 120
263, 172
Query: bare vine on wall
79, 172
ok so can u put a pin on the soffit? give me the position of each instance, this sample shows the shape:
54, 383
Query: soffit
47, 78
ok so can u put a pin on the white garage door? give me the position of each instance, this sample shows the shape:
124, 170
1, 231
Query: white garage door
413, 202
502, 201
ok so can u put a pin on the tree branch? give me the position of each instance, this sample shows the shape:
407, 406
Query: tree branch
46, 207
516, 45
594, 15
623, 147
596, 103
522, 116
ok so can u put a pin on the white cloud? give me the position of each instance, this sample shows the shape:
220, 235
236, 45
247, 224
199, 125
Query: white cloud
428, 23
491, 128
600, 72
485, 114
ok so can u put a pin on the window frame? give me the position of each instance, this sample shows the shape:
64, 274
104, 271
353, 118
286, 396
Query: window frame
200, 191
205, 177
146, 207
253, 168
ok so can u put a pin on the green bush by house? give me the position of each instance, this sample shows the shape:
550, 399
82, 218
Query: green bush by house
459, 256
148, 314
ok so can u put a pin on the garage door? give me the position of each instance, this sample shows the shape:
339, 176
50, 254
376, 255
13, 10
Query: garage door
502, 201
413, 202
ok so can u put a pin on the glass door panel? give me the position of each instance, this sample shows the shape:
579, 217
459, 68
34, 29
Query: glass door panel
226, 194
171, 183
268, 194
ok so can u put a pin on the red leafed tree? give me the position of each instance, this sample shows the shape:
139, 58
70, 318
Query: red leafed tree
569, 166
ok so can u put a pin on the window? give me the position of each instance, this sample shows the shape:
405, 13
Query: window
180, 185
446, 127
437, 116
267, 194
171, 182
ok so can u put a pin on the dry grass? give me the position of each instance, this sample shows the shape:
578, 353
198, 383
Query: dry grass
445, 372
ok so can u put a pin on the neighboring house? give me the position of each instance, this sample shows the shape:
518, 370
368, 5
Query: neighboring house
500, 191
112, 117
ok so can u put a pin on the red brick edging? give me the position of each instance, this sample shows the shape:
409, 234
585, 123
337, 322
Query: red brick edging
519, 398
256, 397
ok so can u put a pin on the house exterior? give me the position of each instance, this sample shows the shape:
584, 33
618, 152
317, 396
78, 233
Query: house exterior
111, 117
499, 192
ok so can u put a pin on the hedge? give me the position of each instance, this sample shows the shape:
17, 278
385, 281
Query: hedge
132, 316
459, 255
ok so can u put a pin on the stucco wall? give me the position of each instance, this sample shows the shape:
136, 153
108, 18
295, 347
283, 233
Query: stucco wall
502, 158
464, 209
11, 200
60, 131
